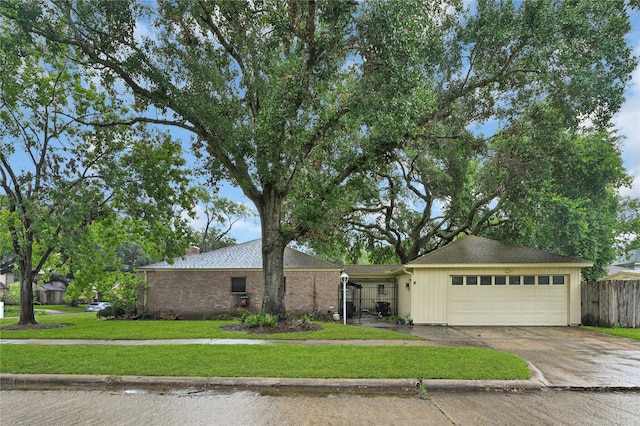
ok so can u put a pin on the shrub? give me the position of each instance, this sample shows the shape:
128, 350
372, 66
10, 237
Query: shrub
112, 311
223, 317
12, 297
263, 319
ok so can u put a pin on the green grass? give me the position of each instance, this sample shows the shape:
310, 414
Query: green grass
14, 310
274, 360
88, 326
631, 333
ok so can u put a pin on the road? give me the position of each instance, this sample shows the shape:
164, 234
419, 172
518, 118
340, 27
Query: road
192, 407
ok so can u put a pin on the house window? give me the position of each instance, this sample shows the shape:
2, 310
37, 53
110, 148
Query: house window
529, 280
284, 284
381, 290
238, 285
514, 280
456, 280
558, 280
472, 280
543, 280
500, 280
485, 280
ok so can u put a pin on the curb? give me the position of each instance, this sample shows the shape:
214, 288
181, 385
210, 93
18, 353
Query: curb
364, 386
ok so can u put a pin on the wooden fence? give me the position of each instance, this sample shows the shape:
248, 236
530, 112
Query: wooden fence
611, 303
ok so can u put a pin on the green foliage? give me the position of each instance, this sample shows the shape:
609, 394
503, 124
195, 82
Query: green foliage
12, 296
78, 164
113, 311
262, 319
223, 317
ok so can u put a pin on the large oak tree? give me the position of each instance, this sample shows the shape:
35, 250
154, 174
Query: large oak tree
520, 147
289, 99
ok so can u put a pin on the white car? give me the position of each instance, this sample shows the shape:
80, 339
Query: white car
96, 306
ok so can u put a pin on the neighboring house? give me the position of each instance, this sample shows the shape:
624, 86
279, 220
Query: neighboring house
202, 285
472, 281
629, 261
51, 293
6, 279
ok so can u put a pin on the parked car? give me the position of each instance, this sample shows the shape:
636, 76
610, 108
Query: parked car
96, 306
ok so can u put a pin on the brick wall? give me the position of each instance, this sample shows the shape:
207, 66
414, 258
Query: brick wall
206, 294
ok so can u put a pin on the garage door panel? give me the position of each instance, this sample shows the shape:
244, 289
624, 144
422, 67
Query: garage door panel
507, 305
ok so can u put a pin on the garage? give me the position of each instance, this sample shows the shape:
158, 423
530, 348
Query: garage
478, 281
507, 300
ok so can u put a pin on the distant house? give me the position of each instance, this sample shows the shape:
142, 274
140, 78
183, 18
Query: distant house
51, 293
6, 279
472, 281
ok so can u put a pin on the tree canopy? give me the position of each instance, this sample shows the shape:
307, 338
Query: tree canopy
58, 175
301, 102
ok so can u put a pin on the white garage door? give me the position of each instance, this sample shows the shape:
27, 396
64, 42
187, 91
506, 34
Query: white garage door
507, 300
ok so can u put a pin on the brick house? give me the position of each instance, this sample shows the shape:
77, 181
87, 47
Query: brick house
471, 281
204, 285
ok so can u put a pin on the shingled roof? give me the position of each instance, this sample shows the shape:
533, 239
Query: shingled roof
241, 256
371, 269
472, 249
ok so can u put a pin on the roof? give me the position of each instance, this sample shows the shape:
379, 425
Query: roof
472, 249
624, 275
630, 259
370, 269
54, 286
241, 256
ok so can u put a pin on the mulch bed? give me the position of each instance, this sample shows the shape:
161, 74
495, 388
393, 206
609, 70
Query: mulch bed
280, 327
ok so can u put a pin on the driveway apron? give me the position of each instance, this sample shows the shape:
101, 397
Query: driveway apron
562, 356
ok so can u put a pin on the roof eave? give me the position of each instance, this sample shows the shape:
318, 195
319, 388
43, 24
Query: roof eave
500, 265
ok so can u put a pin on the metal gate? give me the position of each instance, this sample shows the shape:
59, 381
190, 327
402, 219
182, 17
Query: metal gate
376, 297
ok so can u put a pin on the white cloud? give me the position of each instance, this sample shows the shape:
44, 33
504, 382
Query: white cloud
628, 123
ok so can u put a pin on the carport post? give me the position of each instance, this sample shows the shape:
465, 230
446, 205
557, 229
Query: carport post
344, 279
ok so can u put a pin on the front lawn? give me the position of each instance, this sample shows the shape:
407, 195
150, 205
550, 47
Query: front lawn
88, 326
273, 360
631, 333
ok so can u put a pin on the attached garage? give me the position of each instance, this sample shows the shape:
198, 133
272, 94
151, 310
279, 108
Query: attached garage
477, 281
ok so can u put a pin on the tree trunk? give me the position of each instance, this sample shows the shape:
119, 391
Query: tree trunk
27, 316
273, 245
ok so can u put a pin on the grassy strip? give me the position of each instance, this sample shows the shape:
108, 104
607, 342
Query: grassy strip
88, 326
14, 311
631, 333
277, 360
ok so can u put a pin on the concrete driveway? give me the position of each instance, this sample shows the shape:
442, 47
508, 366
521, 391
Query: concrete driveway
558, 356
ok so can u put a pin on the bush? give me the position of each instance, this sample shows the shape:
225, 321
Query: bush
263, 319
12, 297
223, 317
112, 311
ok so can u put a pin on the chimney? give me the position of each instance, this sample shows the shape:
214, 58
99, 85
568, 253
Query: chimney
192, 249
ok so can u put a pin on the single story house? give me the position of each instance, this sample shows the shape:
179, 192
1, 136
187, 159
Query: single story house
204, 285
471, 281
51, 293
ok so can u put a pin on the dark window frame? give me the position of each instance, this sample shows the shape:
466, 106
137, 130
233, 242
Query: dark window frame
236, 282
